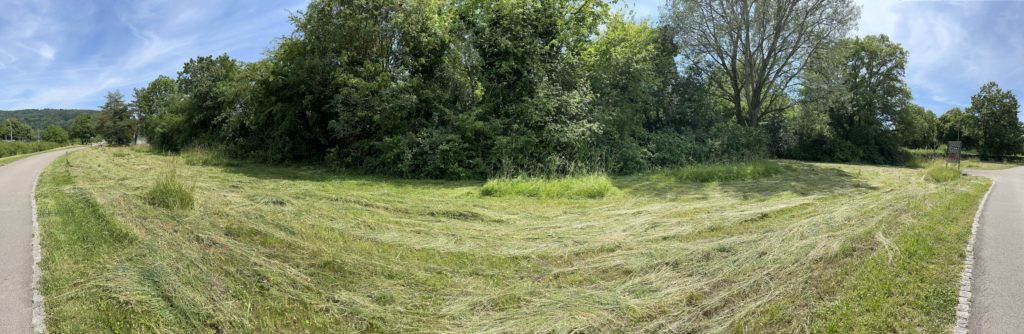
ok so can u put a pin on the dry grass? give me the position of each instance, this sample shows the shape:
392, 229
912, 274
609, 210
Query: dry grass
269, 249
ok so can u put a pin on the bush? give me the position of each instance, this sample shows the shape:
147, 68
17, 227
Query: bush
169, 192
942, 174
740, 171
590, 186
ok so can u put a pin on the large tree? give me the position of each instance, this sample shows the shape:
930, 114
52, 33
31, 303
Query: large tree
955, 125
860, 85
115, 120
15, 129
759, 47
82, 128
994, 114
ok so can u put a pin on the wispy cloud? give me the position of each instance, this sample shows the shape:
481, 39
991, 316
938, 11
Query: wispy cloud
69, 54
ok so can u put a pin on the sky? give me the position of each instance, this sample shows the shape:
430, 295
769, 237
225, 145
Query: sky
69, 54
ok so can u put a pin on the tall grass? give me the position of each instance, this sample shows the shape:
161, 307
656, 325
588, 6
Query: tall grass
719, 172
942, 173
170, 192
205, 156
588, 186
11, 148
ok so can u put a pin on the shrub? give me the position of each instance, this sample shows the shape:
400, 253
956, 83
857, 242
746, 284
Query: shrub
11, 148
589, 186
169, 192
739, 171
942, 173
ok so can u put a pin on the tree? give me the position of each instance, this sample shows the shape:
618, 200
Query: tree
56, 134
759, 47
82, 128
916, 127
859, 84
14, 129
115, 120
993, 113
153, 102
955, 125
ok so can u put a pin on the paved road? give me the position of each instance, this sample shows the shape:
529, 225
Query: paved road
998, 290
16, 259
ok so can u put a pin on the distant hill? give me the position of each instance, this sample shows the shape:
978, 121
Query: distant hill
40, 119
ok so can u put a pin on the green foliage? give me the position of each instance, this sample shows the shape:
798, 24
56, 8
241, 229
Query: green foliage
83, 128
993, 115
15, 129
56, 134
170, 192
859, 84
11, 148
588, 186
956, 125
942, 173
446, 89
917, 127
115, 121
720, 172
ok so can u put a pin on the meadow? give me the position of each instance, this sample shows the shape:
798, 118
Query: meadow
773, 246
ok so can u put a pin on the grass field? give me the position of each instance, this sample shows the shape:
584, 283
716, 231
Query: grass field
809, 248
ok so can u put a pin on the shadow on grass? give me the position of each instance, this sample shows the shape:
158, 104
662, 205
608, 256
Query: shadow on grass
321, 173
798, 178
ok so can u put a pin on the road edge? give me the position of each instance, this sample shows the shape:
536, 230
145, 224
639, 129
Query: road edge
38, 310
963, 307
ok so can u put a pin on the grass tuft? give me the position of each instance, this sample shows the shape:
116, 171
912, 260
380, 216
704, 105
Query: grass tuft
169, 192
589, 186
740, 171
942, 174
203, 156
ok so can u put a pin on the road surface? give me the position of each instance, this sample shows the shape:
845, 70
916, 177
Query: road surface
997, 305
16, 181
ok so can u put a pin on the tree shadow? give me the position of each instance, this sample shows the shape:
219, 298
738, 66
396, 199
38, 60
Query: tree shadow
798, 178
321, 173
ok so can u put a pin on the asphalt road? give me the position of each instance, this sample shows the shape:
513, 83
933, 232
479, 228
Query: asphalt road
997, 305
16, 180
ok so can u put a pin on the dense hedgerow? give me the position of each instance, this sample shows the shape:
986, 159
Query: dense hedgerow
9, 148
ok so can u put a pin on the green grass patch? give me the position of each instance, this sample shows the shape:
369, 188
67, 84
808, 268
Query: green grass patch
942, 173
170, 192
305, 249
720, 172
204, 156
589, 186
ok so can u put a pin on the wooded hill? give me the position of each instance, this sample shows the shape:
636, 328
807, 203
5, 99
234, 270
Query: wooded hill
43, 118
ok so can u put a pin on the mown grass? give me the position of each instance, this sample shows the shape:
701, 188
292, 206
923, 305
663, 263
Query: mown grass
719, 172
589, 186
816, 247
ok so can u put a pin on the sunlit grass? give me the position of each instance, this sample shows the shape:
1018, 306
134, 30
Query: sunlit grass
305, 249
589, 186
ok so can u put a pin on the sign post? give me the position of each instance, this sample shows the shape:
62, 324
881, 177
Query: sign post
953, 153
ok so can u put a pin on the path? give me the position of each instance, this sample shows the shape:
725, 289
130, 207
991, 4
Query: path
997, 305
16, 180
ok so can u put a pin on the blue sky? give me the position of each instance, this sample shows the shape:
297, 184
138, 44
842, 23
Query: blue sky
59, 53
